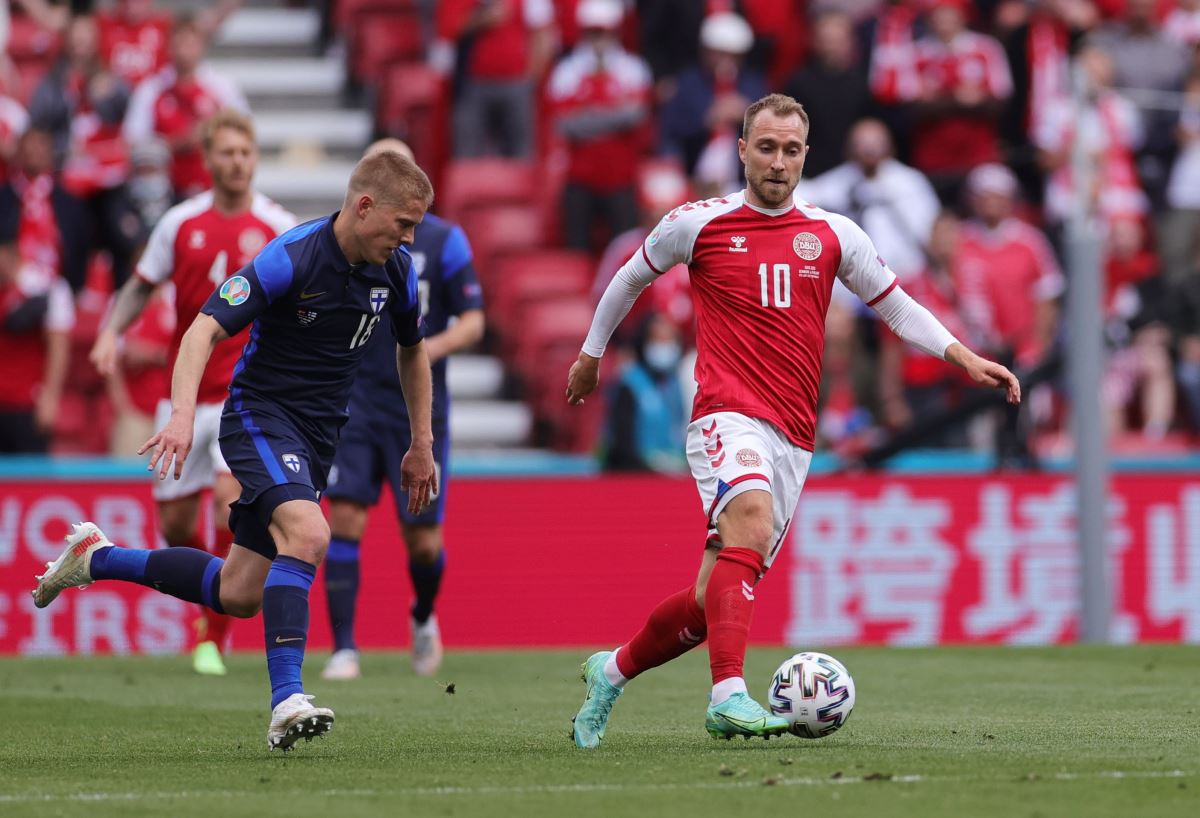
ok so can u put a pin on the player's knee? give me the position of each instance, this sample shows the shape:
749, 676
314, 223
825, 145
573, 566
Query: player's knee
424, 544
748, 522
241, 605
176, 530
308, 543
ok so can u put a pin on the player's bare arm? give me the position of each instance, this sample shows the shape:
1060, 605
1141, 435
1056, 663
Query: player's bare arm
462, 334
129, 304
175, 440
985, 372
583, 378
416, 381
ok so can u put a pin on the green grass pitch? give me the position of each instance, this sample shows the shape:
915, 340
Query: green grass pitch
952, 731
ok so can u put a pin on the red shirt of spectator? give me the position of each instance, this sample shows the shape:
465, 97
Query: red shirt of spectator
23, 328
1003, 274
174, 103
133, 39
893, 75
967, 72
601, 97
496, 33
198, 247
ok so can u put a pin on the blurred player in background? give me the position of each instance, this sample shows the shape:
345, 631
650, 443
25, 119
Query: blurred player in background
377, 435
315, 295
762, 270
195, 246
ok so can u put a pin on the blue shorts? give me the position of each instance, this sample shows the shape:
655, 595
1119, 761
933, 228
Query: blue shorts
274, 463
370, 452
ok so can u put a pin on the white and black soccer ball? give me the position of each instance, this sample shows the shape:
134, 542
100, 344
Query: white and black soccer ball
814, 692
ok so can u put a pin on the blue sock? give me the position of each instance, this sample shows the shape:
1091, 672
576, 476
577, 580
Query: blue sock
426, 579
285, 623
185, 573
341, 590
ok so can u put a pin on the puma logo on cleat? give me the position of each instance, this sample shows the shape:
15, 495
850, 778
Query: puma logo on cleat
279, 640
86, 543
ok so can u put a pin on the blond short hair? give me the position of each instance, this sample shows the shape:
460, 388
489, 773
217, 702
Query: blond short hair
391, 177
778, 104
230, 118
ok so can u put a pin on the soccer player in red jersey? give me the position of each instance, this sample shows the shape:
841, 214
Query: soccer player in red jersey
762, 269
195, 246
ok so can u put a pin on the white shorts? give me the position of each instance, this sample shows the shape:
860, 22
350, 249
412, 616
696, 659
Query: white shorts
730, 454
205, 461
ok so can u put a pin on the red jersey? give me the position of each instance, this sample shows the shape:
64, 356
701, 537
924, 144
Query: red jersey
501, 52
197, 247
958, 141
584, 83
134, 51
23, 350
761, 282
170, 107
1001, 275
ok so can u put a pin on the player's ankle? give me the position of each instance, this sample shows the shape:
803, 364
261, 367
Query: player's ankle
725, 688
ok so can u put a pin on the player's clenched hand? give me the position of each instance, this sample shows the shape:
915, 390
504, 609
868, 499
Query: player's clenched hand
173, 443
104, 353
418, 477
583, 378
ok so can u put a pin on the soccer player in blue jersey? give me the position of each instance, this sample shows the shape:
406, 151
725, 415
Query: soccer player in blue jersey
377, 435
314, 296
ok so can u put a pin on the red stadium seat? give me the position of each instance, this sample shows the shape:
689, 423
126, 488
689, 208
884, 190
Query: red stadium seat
501, 231
521, 280
344, 11
549, 323
380, 39
412, 107
477, 183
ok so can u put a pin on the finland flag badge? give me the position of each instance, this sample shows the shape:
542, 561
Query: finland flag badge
379, 297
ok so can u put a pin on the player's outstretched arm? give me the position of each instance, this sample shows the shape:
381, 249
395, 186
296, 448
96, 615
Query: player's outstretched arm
417, 473
985, 372
130, 302
174, 442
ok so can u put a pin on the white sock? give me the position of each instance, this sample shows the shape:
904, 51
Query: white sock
725, 688
612, 672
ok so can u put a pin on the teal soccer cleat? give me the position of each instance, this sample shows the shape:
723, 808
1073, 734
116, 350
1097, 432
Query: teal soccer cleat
592, 718
740, 715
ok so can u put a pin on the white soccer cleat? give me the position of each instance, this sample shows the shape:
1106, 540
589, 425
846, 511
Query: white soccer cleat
426, 646
72, 569
295, 718
343, 664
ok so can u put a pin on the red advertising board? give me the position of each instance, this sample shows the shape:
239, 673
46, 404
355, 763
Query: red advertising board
537, 562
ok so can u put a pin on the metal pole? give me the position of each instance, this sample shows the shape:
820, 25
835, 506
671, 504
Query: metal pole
1085, 362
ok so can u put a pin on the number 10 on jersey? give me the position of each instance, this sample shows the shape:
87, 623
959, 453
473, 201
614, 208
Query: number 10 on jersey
780, 276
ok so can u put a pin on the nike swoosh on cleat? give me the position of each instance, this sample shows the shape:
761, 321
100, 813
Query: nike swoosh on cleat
747, 725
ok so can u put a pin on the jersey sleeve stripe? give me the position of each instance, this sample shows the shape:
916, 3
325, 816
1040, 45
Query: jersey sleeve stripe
650, 263
884, 294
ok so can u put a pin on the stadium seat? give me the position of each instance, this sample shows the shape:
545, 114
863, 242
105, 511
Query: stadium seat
500, 231
345, 11
411, 106
380, 39
479, 183
549, 323
517, 282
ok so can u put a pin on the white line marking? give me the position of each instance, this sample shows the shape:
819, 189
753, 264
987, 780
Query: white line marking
551, 789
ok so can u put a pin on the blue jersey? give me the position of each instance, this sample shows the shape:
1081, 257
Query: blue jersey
314, 314
447, 286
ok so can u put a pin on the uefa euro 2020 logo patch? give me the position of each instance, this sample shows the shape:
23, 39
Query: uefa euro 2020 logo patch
236, 290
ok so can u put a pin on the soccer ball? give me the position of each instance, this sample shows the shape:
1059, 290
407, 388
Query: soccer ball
814, 692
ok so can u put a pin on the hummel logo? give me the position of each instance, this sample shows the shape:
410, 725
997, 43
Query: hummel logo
305, 296
737, 242
279, 640
747, 590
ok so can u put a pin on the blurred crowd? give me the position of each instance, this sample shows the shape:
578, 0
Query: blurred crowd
944, 127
